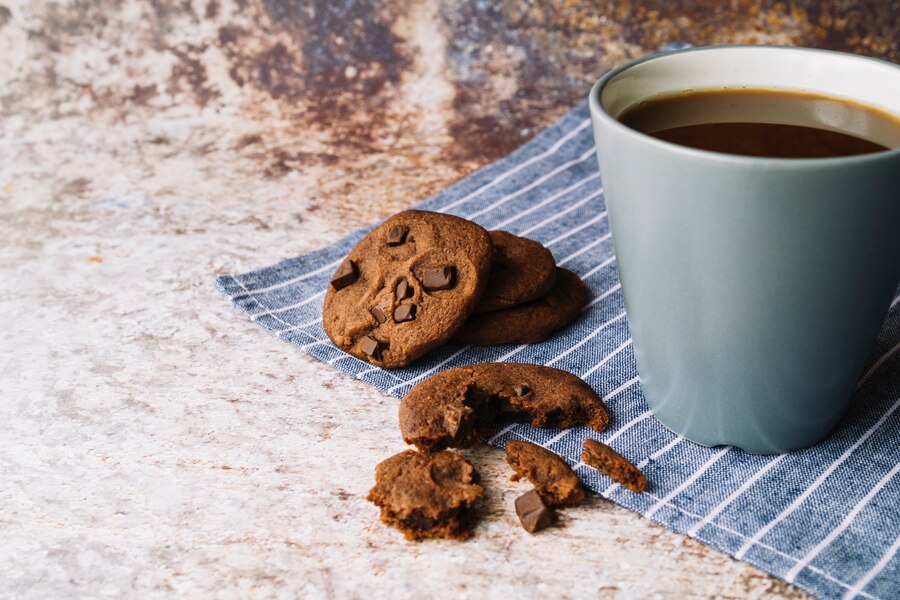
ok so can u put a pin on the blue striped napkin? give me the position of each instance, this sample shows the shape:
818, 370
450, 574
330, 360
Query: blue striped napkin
826, 518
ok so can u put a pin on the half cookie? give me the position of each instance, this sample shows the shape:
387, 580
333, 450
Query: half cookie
451, 408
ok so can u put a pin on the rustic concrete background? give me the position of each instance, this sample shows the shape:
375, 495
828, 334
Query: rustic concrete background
156, 442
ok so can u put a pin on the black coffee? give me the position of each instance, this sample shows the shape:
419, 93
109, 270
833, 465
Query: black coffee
769, 123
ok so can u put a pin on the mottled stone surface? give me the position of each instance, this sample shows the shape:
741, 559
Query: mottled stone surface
155, 442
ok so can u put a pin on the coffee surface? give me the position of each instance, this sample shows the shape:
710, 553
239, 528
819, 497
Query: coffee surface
767, 123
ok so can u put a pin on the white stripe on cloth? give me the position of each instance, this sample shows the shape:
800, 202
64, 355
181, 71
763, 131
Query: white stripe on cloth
586, 340
584, 249
575, 230
606, 359
815, 484
284, 283
549, 152
687, 482
537, 182
622, 388
562, 213
826, 541
431, 370
602, 265
611, 290
735, 494
877, 364
289, 307
548, 200
647, 460
866, 579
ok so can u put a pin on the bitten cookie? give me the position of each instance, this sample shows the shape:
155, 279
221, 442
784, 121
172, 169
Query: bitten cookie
552, 477
407, 287
531, 322
614, 465
427, 495
450, 408
523, 270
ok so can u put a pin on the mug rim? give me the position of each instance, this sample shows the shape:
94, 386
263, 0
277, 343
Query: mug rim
598, 112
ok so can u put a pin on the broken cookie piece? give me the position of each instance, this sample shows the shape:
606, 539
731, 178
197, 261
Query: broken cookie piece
612, 464
427, 495
553, 479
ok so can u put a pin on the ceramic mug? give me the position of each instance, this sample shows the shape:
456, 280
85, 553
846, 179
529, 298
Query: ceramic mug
754, 287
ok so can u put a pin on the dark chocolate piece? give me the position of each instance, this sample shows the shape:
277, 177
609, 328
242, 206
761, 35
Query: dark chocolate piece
438, 279
532, 511
378, 314
404, 312
403, 290
370, 346
345, 275
397, 235
521, 390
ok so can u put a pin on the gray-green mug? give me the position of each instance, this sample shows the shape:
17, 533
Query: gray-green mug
754, 287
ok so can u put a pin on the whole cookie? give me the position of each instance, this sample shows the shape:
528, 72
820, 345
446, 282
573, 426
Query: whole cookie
452, 408
407, 287
523, 270
531, 322
552, 477
427, 495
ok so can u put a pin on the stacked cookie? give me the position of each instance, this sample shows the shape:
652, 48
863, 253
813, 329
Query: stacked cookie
421, 279
432, 492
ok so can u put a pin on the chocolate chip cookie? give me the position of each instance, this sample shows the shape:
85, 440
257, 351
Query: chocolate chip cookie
407, 287
451, 408
609, 462
552, 477
427, 495
523, 270
531, 322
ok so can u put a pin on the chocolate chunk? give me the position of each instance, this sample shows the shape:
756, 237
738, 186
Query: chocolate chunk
378, 314
403, 290
345, 275
453, 418
397, 235
532, 511
521, 390
438, 279
404, 312
370, 346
